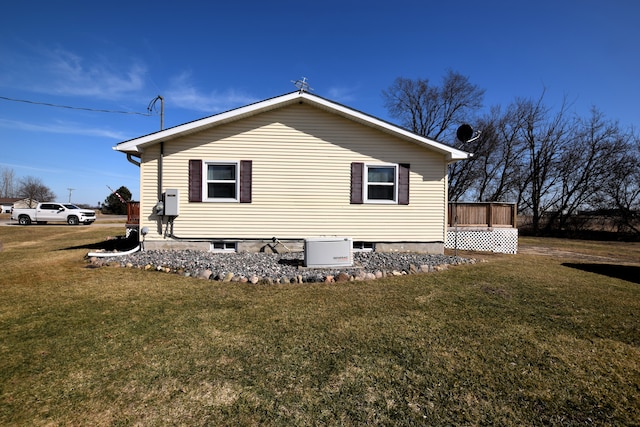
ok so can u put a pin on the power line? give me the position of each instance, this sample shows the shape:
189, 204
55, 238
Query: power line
74, 108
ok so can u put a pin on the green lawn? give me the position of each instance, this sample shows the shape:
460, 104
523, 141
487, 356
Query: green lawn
517, 340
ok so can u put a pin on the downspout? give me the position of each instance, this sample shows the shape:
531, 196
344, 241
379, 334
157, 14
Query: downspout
132, 160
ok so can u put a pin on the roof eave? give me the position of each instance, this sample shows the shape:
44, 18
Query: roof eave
452, 154
457, 158
136, 146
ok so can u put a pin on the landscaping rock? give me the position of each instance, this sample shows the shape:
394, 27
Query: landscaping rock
267, 268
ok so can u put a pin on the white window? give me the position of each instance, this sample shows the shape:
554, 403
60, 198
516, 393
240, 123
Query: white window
381, 183
221, 183
223, 247
363, 247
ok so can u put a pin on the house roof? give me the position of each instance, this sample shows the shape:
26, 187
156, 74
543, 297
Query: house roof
8, 200
136, 146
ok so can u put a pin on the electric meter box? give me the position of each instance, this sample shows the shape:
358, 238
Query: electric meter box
171, 202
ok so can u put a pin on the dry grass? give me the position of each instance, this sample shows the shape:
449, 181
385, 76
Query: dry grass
518, 340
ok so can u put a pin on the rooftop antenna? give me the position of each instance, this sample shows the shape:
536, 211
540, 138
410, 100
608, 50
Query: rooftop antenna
302, 85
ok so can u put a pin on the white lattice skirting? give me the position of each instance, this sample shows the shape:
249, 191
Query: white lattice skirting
502, 240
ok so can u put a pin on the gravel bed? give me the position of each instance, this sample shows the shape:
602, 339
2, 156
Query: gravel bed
279, 268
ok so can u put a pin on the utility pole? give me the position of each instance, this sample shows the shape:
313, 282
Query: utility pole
70, 190
150, 108
161, 112
152, 105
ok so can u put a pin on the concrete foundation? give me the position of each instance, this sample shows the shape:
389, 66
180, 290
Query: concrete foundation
414, 247
281, 246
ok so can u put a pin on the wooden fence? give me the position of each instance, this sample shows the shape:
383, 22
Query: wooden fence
482, 214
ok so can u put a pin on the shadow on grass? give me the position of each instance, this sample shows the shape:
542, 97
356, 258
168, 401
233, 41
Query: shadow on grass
119, 244
629, 273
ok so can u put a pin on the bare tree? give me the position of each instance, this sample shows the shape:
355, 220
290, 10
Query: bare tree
551, 163
33, 189
498, 156
436, 112
432, 111
620, 193
517, 157
587, 164
7, 182
544, 135
465, 176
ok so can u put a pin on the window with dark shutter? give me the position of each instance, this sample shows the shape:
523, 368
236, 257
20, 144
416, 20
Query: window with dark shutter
380, 183
220, 181
357, 170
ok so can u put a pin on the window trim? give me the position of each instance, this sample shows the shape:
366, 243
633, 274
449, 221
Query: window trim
365, 183
205, 181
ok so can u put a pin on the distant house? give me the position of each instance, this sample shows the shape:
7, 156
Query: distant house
287, 169
6, 203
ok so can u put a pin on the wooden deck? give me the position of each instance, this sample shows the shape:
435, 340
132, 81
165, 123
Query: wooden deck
481, 214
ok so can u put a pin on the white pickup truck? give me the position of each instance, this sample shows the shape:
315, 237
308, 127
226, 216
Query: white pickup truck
51, 212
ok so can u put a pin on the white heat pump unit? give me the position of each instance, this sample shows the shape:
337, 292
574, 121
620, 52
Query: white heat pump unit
328, 252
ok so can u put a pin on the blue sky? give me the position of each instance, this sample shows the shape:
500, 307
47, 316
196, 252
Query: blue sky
205, 57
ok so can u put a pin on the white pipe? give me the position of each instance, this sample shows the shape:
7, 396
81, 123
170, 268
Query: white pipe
113, 254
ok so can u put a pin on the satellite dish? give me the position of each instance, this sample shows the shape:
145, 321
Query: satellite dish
464, 133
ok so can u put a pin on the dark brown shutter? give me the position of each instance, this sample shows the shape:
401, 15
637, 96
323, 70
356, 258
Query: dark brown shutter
246, 171
195, 180
403, 184
357, 170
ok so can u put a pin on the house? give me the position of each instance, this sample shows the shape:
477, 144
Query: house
291, 168
6, 203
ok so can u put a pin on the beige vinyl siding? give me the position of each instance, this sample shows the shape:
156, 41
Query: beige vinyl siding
301, 181
149, 191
